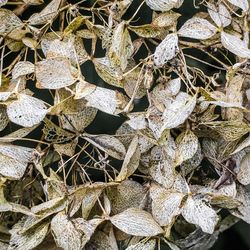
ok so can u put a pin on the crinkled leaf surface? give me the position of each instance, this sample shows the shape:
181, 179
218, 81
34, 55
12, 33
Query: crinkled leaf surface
27, 111
197, 28
136, 222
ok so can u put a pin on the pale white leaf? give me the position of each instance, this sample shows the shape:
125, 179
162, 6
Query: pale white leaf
14, 160
136, 222
235, 45
64, 232
163, 172
47, 14
9, 21
166, 50
166, 204
22, 68
197, 28
178, 111
27, 111
220, 15
58, 48
54, 73
243, 4
106, 100
164, 5
243, 176
187, 144
195, 211
173, 86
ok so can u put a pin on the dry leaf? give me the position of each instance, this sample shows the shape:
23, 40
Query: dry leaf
197, 28
187, 144
27, 239
178, 111
235, 45
195, 211
109, 145
9, 21
243, 176
54, 73
163, 5
243, 4
121, 47
220, 15
166, 204
136, 222
143, 245
131, 160
166, 50
64, 232
27, 111
47, 14
14, 160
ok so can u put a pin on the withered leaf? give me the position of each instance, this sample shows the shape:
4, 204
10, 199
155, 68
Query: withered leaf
166, 204
54, 73
136, 222
22, 68
197, 28
47, 14
106, 100
127, 194
27, 111
55, 134
14, 160
243, 176
166, 19
131, 160
187, 145
163, 5
107, 72
109, 144
146, 30
4, 120
244, 5
9, 21
27, 239
121, 47
195, 211
235, 45
64, 232
220, 15
166, 50
143, 245
178, 111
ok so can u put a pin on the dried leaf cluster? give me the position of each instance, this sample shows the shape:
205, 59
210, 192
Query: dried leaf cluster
176, 172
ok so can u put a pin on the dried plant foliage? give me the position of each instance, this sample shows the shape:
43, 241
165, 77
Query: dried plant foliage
181, 150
